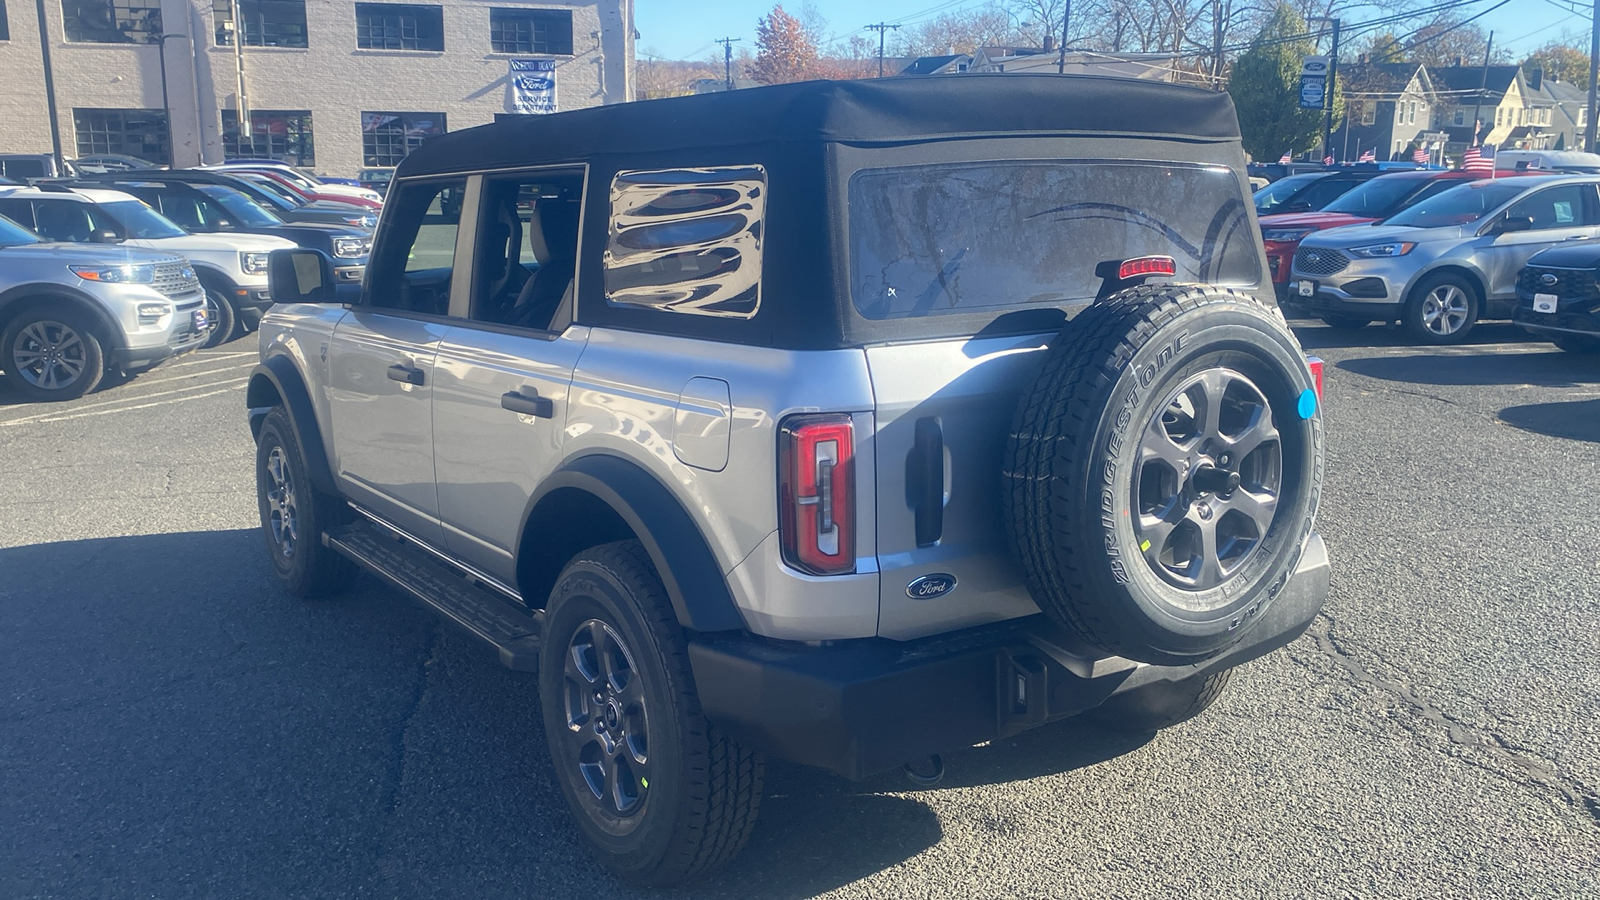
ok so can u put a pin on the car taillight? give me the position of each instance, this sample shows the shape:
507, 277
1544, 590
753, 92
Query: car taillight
1316, 373
1147, 265
816, 494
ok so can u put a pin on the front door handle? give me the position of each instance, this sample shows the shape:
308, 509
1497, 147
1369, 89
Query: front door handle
404, 373
534, 405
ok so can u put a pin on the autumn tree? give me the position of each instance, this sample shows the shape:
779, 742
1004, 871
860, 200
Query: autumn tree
1446, 41
1266, 89
1560, 61
785, 50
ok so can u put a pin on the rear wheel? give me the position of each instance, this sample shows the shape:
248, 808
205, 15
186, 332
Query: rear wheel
1443, 309
52, 354
661, 795
1351, 322
1576, 343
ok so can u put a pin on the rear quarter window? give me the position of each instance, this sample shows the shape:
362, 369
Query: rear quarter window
927, 240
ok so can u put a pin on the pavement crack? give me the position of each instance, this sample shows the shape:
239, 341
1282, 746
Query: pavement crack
399, 757
1532, 769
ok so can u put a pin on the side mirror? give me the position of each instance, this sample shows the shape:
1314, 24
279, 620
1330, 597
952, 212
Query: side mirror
301, 276
1513, 223
105, 236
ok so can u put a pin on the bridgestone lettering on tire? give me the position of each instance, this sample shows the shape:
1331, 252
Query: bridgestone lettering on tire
1163, 471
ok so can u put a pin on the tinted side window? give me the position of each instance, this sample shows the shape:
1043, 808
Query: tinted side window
413, 265
527, 247
1323, 192
687, 240
1567, 206
18, 211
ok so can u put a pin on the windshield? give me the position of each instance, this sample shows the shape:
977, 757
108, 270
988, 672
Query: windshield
277, 190
1278, 192
1376, 198
376, 176
14, 235
247, 211
1460, 205
140, 222
927, 240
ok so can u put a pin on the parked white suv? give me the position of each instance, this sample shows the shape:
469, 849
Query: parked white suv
232, 267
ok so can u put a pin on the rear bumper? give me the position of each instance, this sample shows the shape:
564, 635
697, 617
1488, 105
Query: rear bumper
868, 706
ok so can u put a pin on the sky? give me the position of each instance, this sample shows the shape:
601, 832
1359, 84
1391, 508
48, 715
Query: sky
686, 29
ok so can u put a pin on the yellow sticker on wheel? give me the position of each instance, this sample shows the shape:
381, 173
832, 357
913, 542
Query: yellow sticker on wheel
1145, 546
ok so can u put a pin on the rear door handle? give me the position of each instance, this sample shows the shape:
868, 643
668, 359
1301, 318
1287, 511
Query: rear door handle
404, 373
534, 405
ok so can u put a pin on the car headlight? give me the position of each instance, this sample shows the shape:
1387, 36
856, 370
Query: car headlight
349, 248
116, 274
1381, 251
151, 313
1286, 234
253, 262
367, 222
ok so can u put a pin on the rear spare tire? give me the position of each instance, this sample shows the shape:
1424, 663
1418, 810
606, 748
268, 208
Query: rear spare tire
1163, 471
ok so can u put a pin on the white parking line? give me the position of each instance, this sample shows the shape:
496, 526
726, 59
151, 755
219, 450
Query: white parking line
179, 376
106, 412
55, 417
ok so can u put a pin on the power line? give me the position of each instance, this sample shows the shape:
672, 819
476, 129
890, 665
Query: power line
727, 57
882, 28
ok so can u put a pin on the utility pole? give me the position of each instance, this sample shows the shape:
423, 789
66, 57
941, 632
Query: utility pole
1594, 71
1483, 86
50, 91
727, 57
882, 29
241, 102
1066, 18
1327, 98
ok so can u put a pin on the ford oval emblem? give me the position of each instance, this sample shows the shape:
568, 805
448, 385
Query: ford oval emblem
1313, 257
929, 586
1548, 280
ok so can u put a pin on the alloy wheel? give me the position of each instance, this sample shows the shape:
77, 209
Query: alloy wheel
1207, 480
283, 521
1444, 310
49, 355
607, 734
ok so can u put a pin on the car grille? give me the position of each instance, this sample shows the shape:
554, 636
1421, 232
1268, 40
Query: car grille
1570, 284
176, 279
1319, 261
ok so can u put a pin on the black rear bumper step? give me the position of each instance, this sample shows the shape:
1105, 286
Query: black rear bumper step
514, 632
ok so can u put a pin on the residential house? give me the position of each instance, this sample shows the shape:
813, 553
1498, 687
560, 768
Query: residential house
948, 64
1569, 113
1498, 98
1388, 109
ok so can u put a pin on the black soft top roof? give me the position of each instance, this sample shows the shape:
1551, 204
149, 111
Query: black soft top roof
888, 110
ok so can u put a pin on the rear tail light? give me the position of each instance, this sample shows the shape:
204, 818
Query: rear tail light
1316, 373
816, 494
1146, 265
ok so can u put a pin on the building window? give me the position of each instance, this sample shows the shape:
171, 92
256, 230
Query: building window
267, 23
398, 26
1461, 117
112, 21
386, 137
1369, 113
547, 31
129, 132
274, 134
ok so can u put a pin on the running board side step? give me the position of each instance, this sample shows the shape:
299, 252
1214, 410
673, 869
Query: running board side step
457, 596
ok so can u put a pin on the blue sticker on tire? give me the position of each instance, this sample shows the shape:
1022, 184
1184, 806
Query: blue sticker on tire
1308, 403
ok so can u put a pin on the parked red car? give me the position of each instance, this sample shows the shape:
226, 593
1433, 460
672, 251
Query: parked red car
305, 190
1366, 203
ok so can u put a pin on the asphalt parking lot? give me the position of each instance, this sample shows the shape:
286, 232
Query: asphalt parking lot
171, 726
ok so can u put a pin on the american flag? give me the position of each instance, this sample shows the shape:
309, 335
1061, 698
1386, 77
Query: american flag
1478, 161
1368, 156
1286, 158
1420, 156
1327, 160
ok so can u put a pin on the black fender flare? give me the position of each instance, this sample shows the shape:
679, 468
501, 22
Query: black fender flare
689, 570
278, 376
114, 338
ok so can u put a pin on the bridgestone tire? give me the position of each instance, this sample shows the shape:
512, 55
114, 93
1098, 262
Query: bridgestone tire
1160, 706
82, 363
1102, 484
304, 565
701, 791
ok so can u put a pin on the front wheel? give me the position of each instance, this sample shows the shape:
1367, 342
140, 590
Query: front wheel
221, 317
661, 795
294, 514
52, 354
1442, 310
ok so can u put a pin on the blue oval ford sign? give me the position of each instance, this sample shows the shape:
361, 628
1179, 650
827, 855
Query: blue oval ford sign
929, 586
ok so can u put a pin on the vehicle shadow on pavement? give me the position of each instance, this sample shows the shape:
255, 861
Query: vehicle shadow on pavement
1554, 368
1314, 335
164, 695
1575, 419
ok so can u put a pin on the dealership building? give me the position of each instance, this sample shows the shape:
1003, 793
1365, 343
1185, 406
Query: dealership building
333, 85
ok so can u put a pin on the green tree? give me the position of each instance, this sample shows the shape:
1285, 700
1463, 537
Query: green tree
785, 50
1266, 89
1561, 62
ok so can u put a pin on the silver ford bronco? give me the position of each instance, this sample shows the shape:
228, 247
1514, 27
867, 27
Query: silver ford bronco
850, 423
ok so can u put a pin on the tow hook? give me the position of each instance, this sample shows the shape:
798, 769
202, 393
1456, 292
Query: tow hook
934, 762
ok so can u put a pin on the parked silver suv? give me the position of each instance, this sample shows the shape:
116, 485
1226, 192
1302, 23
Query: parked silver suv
1447, 261
69, 312
848, 422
